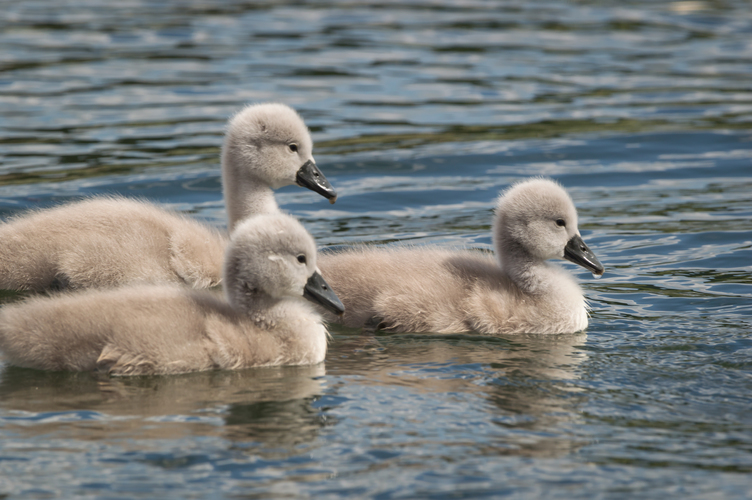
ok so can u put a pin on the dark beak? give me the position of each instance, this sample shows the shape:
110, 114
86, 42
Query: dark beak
578, 252
309, 176
318, 292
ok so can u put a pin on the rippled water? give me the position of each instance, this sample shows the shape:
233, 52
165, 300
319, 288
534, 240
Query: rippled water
421, 113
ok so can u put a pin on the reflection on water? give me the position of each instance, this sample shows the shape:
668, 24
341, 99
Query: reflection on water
272, 406
522, 383
523, 380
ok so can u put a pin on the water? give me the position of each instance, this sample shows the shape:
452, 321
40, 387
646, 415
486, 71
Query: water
421, 113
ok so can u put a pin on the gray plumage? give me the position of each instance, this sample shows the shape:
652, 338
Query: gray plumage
256, 158
428, 289
159, 329
103, 242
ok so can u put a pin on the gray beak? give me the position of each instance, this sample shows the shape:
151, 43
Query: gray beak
578, 252
318, 291
309, 176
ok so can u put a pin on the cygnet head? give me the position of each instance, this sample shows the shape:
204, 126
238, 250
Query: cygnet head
273, 256
536, 219
268, 145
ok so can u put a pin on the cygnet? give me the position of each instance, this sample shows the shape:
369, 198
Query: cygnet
109, 241
429, 289
270, 267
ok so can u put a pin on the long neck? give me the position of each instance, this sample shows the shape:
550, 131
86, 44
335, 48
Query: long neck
246, 198
527, 272
245, 194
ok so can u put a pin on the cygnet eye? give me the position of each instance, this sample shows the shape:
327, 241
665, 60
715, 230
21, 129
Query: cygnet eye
293, 147
302, 259
561, 223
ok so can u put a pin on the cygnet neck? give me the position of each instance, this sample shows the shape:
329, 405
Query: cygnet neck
247, 197
260, 307
525, 270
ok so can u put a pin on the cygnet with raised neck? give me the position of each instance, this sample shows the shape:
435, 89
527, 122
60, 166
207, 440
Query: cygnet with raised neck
265, 320
429, 289
110, 241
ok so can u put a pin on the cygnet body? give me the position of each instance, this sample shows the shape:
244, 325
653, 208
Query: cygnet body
428, 289
264, 320
111, 241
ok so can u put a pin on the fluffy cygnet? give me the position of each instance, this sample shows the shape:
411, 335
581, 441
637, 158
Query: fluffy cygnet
270, 267
111, 241
428, 289
267, 146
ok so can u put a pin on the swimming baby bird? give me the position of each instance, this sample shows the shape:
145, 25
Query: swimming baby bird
111, 241
267, 146
428, 289
270, 267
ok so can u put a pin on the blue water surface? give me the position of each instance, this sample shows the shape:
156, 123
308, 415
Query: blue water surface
421, 113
